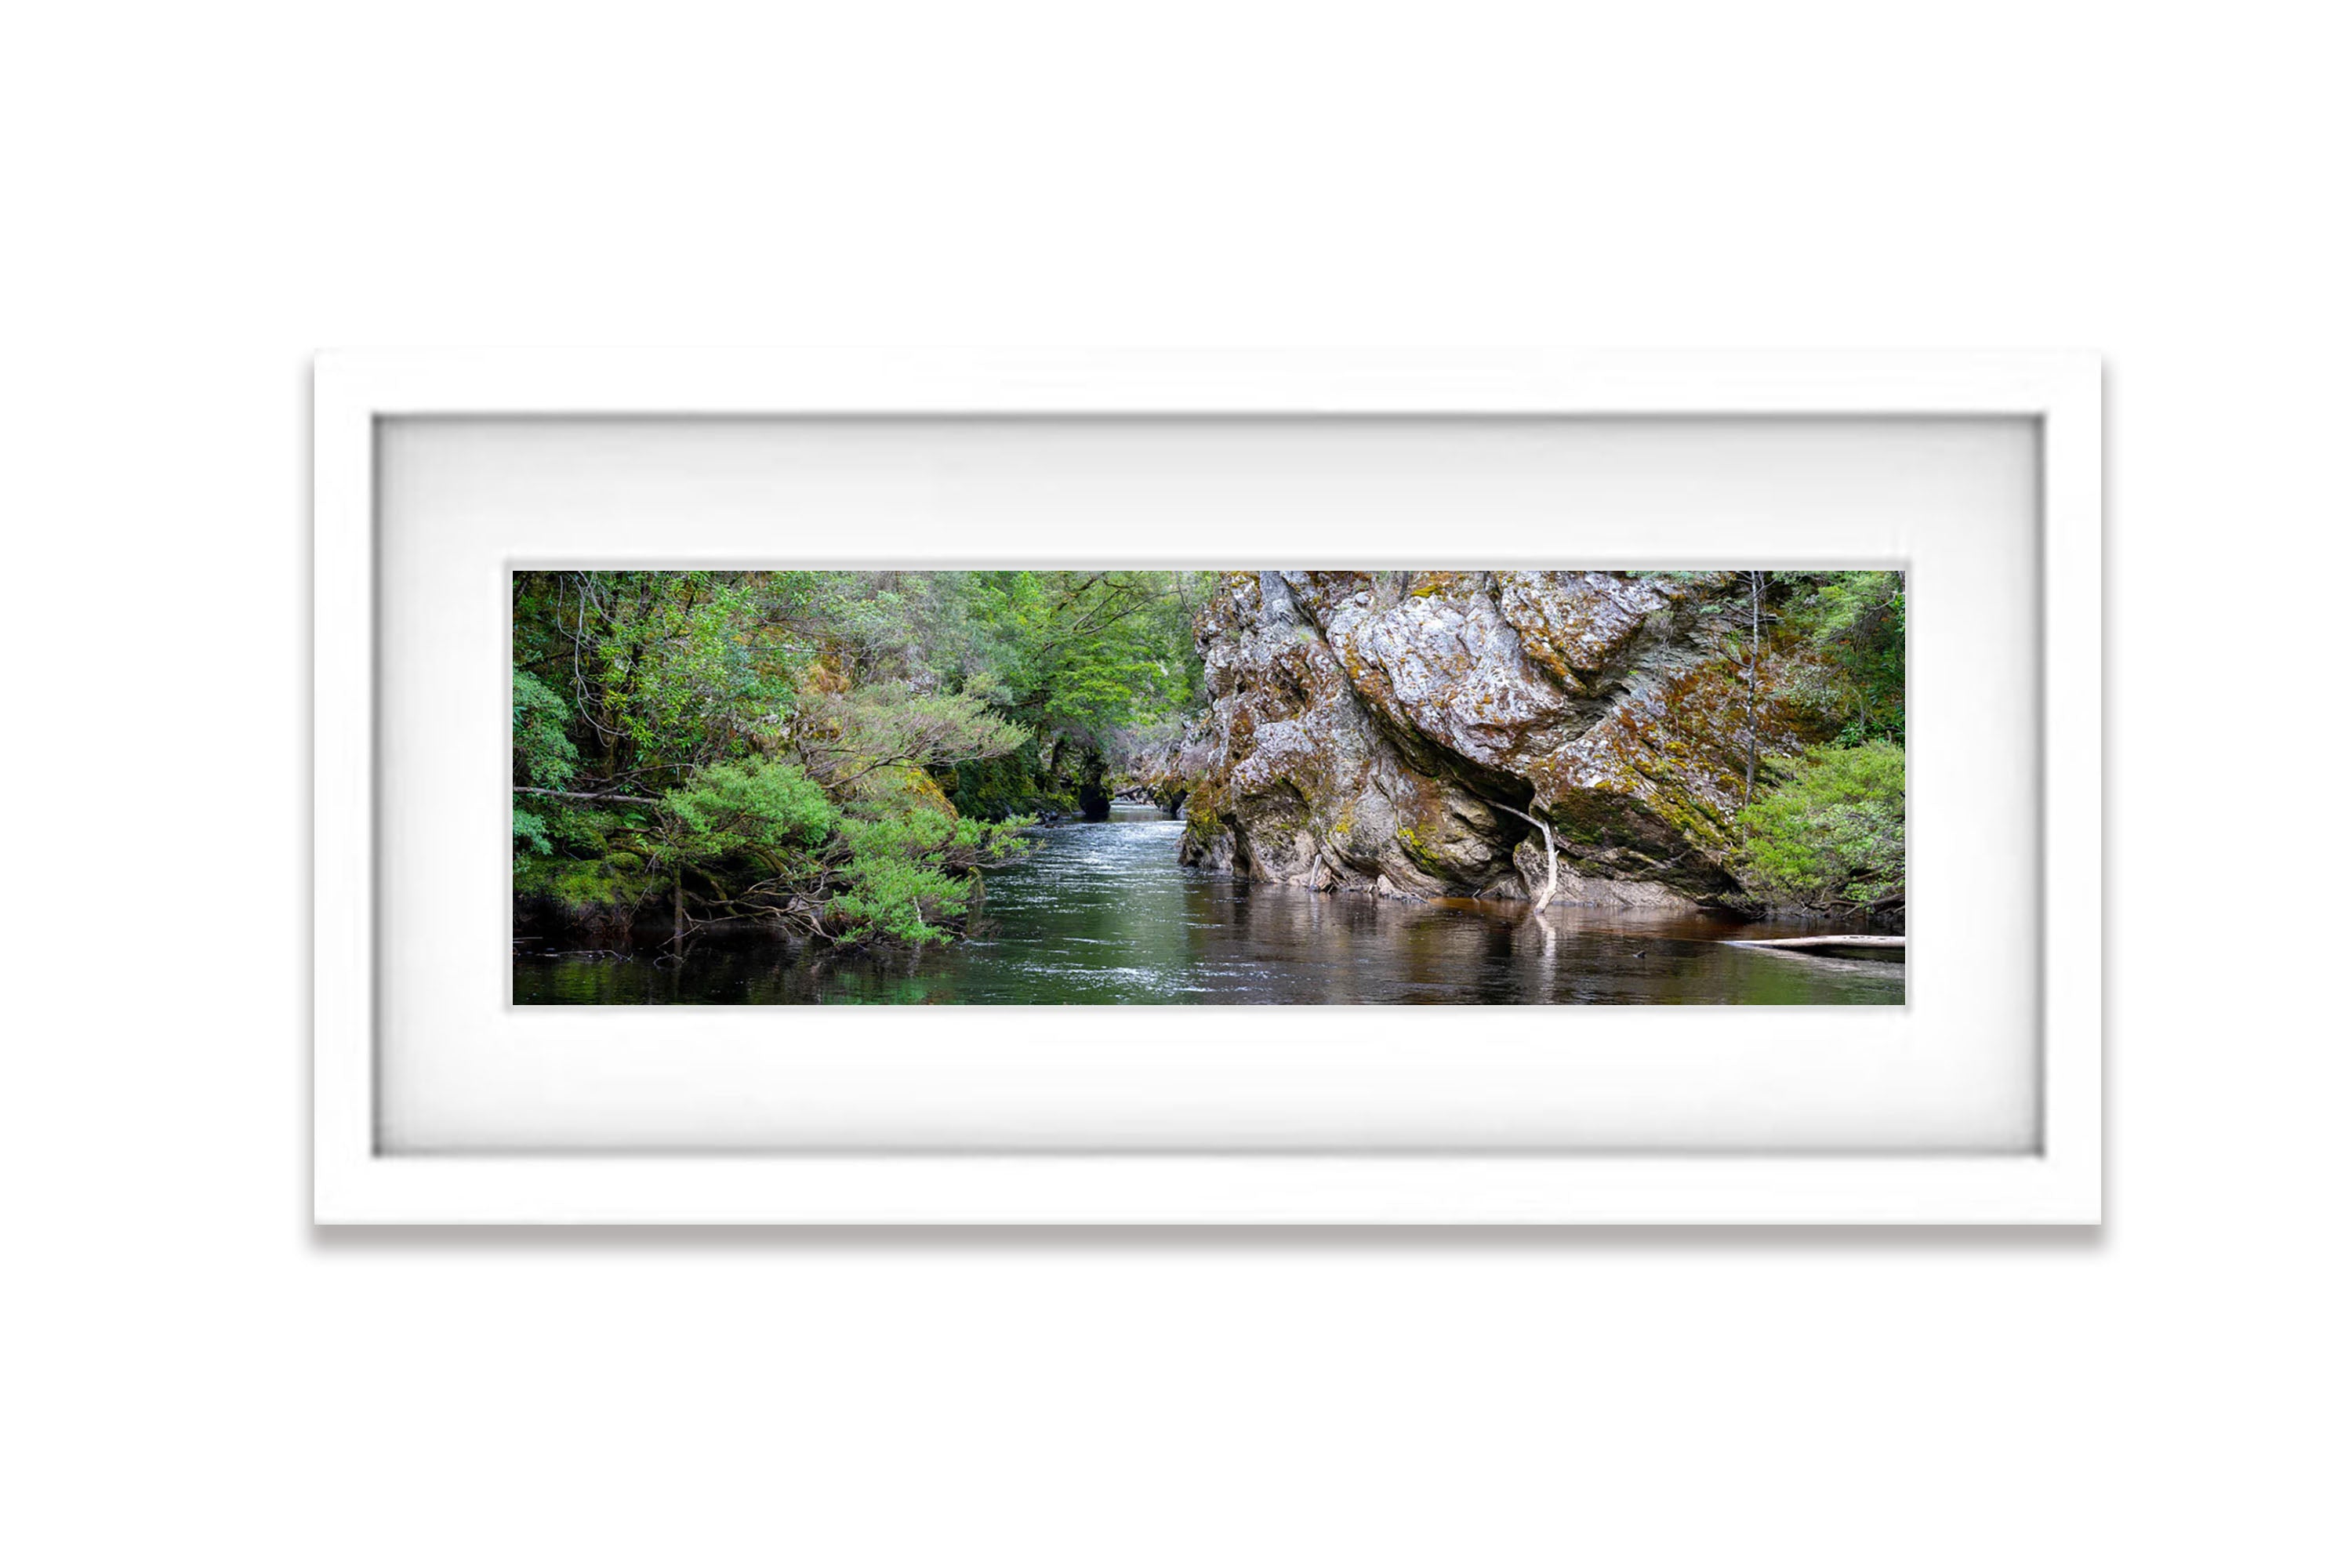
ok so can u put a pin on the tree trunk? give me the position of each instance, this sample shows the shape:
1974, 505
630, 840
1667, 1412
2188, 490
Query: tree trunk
1755, 661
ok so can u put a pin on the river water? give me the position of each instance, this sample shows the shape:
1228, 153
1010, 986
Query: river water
1102, 913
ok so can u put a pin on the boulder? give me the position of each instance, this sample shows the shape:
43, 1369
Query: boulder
1365, 728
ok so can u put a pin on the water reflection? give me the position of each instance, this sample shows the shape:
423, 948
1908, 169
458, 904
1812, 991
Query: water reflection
1102, 913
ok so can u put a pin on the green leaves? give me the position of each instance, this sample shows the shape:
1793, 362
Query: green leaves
897, 887
730, 807
544, 756
1081, 654
909, 873
1831, 837
1855, 621
531, 829
850, 738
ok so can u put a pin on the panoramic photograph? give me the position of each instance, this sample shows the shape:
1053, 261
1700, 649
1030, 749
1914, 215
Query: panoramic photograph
1023, 787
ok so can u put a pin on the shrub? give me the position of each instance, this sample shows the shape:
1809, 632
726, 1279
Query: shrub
896, 886
1830, 836
730, 807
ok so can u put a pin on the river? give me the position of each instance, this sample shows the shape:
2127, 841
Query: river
1102, 913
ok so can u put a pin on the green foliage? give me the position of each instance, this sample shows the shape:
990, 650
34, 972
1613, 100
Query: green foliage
729, 808
907, 874
852, 739
768, 746
1856, 621
895, 886
1830, 838
665, 670
1079, 656
531, 828
1070, 654
544, 755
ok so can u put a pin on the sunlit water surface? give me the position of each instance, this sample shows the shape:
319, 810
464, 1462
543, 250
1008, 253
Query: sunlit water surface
1102, 913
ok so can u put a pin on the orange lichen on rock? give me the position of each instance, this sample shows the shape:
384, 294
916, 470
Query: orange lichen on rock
1362, 724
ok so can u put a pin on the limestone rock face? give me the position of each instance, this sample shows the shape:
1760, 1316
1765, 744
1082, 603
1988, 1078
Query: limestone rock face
1364, 727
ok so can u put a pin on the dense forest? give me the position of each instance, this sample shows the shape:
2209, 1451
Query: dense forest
836, 757
834, 754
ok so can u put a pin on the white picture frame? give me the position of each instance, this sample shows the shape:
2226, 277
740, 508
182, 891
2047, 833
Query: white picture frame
359, 1180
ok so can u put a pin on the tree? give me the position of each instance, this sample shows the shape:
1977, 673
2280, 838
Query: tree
849, 737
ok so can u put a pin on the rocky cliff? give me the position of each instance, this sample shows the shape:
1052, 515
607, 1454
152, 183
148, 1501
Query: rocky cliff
1365, 729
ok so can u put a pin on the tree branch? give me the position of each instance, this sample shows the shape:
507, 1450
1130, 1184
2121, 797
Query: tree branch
575, 794
1552, 854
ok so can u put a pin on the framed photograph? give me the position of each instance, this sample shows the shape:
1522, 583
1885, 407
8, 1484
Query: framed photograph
1217, 789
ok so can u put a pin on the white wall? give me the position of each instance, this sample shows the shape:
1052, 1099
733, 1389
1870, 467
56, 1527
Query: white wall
198, 196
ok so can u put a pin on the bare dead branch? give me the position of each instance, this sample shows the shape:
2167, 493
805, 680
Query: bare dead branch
1551, 853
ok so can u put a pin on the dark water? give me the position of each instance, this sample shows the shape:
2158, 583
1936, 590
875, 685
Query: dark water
1101, 912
